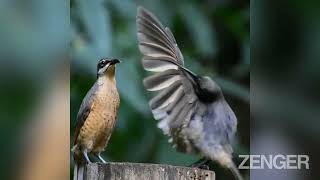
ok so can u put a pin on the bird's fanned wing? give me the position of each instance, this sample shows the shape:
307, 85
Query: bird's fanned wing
84, 111
174, 105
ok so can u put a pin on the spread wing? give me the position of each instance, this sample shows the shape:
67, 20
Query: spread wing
84, 111
177, 101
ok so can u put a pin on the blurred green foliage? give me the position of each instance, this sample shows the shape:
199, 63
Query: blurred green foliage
214, 38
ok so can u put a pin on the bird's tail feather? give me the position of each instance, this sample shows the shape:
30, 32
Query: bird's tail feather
78, 171
75, 172
233, 168
79, 167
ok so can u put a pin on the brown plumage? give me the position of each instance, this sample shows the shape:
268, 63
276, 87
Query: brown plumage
97, 116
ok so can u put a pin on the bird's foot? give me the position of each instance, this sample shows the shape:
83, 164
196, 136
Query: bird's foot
86, 157
201, 164
100, 158
204, 167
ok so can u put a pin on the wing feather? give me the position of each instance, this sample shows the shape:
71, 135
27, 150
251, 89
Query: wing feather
84, 111
149, 33
154, 32
155, 50
167, 96
152, 24
161, 80
179, 111
177, 100
157, 64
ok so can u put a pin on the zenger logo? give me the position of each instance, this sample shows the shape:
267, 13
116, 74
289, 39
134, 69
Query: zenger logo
274, 161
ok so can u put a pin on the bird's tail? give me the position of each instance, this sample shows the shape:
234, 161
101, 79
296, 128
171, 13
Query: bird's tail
79, 167
225, 159
78, 171
233, 168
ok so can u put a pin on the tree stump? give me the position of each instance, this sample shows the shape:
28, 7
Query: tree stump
140, 171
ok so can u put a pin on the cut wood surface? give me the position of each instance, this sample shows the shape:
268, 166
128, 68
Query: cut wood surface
140, 171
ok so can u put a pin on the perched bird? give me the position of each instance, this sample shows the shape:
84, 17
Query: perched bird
191, 109
96, 117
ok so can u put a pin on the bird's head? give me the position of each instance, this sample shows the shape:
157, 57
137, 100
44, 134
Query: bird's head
208, 89
106, 66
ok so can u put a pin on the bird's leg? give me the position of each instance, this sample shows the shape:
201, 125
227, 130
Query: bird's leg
201, 163
85, 154
98, 155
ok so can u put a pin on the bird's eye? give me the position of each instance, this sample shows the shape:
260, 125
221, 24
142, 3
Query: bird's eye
101, 64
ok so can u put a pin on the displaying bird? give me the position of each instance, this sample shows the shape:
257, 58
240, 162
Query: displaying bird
191, 109
96, 117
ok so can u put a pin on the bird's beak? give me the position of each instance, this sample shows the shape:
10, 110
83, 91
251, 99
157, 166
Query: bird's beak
115, 61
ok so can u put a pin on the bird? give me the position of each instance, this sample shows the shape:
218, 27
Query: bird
190, 108
96, 117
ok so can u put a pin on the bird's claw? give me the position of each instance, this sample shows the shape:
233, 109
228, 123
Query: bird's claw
100, 158
204, 167
202, 164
